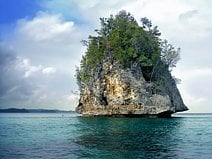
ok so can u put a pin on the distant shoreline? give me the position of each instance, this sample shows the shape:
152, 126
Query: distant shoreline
23, 110
16, 110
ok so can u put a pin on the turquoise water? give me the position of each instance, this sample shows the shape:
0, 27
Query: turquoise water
68, 136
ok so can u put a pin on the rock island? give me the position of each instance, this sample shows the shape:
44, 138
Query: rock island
126, 71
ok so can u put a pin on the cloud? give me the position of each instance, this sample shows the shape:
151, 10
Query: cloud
178, 20
25, 85
48, 70
6, 57
25, 65
195, 87
49, 44
86, 13
45, 26
72, 97
48, 38
11, 79
187, 15
44, 63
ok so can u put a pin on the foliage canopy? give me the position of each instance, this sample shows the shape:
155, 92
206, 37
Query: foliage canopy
121, 39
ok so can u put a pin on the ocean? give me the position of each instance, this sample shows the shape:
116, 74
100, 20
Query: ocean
70, 136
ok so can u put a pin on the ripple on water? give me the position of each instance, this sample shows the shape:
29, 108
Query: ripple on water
77, 137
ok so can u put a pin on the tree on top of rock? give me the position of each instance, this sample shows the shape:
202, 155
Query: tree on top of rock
122, 40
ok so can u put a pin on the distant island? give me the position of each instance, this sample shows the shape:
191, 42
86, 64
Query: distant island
16, 110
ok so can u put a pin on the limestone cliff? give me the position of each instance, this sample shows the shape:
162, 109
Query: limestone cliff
118, 92
139, 85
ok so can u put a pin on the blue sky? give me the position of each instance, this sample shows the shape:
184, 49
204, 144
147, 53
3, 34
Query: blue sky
40, 47
11, 10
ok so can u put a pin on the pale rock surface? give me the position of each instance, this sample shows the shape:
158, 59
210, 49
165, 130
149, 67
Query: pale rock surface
115, 91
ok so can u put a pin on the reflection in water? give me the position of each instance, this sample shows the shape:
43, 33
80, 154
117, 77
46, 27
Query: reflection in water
128, 137
69, 137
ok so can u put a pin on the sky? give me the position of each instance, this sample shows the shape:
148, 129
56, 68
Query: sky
40, 47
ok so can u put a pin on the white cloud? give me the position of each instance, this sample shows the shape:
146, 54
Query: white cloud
45, 26
46, 63
177, 19
48, 70
192, 73
43, 97
26, 85
53, 41
72, 97
30, 70
157, 10
195, 87
58, 46
87, 4
187, 15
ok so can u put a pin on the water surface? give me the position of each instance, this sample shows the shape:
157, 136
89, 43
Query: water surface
61, 136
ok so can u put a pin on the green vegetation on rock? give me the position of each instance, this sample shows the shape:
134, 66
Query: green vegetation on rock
120, 39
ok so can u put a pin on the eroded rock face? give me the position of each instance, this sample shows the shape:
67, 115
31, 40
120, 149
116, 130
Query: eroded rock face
114, 91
